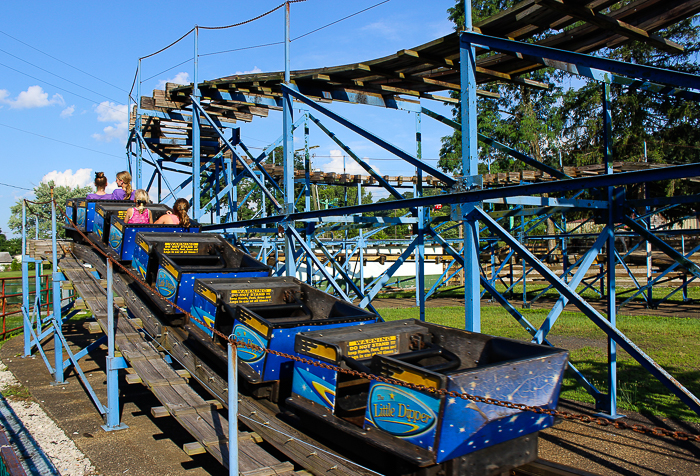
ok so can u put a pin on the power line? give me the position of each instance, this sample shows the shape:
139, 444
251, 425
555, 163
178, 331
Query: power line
298, 37
338, 21
173, 67
15, 186
62, 142
61, 61
58, 87
60, 77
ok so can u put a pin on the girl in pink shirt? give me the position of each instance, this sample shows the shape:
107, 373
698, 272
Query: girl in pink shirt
139, 214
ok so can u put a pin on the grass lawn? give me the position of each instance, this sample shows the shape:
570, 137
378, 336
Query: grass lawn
671, 342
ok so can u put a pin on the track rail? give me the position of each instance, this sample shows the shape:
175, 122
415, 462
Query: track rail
304, 450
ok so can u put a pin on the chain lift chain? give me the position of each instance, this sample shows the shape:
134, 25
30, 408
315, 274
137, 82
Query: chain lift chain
657, 431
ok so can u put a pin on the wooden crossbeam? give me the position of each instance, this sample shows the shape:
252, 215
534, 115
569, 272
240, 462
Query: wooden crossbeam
512, 79
608, 23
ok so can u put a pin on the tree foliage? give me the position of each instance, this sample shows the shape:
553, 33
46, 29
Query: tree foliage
41, 211
567, 119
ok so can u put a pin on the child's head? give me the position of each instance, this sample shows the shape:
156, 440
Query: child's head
180, 207
100, 181
124, 182
141, 198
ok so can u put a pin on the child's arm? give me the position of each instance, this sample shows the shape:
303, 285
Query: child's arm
150, 217
129, 214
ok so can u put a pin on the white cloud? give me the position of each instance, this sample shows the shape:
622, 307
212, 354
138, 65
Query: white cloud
81, 178
388, 31
255, 70
33, 97
68, 112
117, 114
336, 164
180, 78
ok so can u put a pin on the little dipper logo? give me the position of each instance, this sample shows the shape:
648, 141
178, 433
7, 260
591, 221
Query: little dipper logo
399, 412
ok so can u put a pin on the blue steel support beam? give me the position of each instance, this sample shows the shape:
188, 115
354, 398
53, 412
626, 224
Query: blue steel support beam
56, 307
258, 165
500, 146
357, 159
663, 246
449, 181
635, 352
420, 249
137, 127
609, 406
540, 54
292, 233
384, 278
156, 165
583, 268
560, 186
196, 151
470, 167
228, 145
288, 151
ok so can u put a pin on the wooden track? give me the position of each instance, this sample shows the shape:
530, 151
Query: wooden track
199, 417
254, 414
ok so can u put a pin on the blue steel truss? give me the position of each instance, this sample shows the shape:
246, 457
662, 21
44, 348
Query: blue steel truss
295, 237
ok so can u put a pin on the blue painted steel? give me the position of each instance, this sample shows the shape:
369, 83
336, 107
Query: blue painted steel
137, 126
369, 136
112, 410
242, 162
635, 352
357, 159
540, 54
232, 399
56, 307
196, 133
500, 146
626, 178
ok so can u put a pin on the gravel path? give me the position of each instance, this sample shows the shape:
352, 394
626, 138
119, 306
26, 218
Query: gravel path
40, 444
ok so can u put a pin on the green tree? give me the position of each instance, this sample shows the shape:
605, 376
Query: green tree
12, 246
523, 118
42, 210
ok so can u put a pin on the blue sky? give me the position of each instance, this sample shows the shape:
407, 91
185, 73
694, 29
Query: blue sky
66, 69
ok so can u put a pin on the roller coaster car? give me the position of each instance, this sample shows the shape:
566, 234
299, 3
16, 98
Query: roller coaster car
102, 221
423, 425
171, 262
268, 312
122, 235
85, 210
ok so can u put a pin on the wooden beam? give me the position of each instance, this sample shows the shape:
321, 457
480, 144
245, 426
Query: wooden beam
608, 23
512, 79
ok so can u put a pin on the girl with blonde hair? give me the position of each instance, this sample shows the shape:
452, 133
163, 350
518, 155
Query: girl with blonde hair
139, 213
124, 192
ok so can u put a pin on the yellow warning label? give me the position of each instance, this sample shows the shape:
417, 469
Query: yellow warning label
181, 248
209, 295
122, 214
366, 348
169, 268
240, 296
100, 212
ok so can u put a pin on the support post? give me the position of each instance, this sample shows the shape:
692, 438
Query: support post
233, 407
56, 307
609, 407
196, 150
112, 411
420, 226
25, 285
137, 125
470, 164
288, 153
